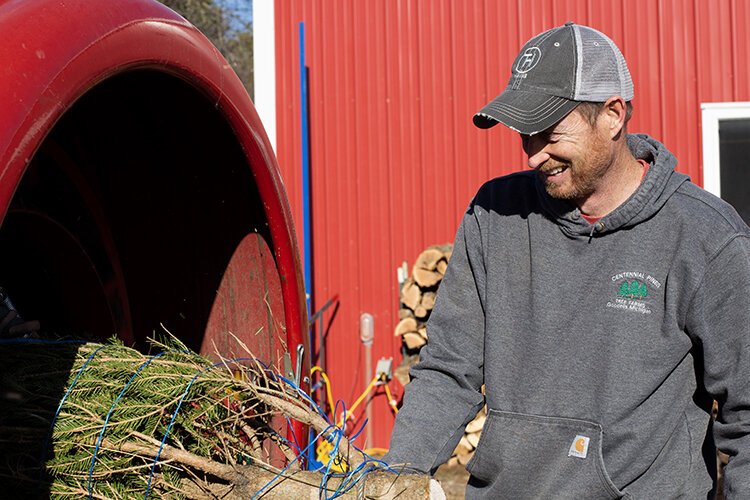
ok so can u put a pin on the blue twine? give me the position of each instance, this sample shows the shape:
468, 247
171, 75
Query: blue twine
282, 471
351, 479
361, 428
305, 396
335, 411
344, 487
285, 440
109, 414
169, 427
358, 473
291, 429
333, 455
335, 435
62, 402
177, 410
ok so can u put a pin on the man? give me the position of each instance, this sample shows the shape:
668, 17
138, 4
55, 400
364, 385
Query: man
602, 299
11, 323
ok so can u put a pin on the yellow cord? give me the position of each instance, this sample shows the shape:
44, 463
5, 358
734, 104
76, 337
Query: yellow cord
348, 413
326, 382
391, 401
324, 448
380, 379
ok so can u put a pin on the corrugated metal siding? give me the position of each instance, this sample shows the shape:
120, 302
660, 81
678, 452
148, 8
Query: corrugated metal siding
395, 158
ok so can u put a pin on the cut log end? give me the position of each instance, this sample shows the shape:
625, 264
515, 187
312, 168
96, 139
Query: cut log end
406, 325
414, 340
426, 278
411, 295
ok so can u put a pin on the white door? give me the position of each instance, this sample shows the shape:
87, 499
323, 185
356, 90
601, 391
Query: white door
726, 153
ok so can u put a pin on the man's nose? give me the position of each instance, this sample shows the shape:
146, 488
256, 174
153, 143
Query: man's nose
535, 147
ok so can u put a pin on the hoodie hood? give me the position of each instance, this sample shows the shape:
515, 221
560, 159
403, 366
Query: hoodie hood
659, 184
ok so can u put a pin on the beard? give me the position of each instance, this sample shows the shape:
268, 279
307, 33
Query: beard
585, 175
583, 182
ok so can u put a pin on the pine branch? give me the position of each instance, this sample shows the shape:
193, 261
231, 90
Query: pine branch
222, 471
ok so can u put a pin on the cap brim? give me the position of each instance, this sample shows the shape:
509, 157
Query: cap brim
525, 112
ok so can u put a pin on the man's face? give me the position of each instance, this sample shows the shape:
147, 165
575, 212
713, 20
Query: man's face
570, 157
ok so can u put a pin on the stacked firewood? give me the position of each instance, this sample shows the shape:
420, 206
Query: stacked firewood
468, 444
418, 294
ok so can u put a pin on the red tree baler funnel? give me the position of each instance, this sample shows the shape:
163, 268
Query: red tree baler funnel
137, 185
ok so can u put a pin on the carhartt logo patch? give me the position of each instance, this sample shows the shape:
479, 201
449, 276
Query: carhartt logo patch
579, 447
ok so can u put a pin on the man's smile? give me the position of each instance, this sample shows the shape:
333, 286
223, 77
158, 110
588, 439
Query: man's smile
554, 171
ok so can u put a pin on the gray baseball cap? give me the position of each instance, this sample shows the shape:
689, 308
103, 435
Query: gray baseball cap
553, 73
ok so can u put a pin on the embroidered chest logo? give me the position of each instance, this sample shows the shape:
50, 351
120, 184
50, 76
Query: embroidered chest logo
633, 291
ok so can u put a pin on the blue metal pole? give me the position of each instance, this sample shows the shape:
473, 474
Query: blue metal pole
306, 211
305, 168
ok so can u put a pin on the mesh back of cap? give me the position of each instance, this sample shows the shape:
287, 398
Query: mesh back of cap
602, 71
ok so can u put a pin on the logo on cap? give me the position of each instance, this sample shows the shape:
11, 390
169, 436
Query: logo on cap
528, 60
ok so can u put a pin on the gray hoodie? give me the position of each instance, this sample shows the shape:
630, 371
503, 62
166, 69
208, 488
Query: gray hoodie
601, 346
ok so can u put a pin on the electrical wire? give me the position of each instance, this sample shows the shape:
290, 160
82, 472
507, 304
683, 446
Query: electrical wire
391, 400
329, 397
346, 416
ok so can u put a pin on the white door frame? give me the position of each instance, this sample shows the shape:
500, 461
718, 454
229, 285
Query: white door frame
264, 65
712, 113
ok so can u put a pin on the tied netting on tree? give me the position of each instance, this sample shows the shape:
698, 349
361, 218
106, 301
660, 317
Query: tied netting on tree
82, 419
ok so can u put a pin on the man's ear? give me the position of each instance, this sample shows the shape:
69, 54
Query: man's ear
613, 114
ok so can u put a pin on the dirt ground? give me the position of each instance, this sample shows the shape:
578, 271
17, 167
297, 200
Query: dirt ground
453, 479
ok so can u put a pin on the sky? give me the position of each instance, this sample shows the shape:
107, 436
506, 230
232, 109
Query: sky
243, 8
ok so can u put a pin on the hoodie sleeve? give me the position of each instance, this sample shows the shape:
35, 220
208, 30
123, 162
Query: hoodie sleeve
445, 389
720, 318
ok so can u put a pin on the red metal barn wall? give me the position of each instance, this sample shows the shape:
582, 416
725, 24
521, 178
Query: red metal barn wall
395, 158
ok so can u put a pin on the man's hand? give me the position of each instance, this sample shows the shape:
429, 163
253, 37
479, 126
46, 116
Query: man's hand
436, 491
12, 326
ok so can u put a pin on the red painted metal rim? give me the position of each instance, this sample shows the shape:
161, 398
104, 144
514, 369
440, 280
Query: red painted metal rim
54, 52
